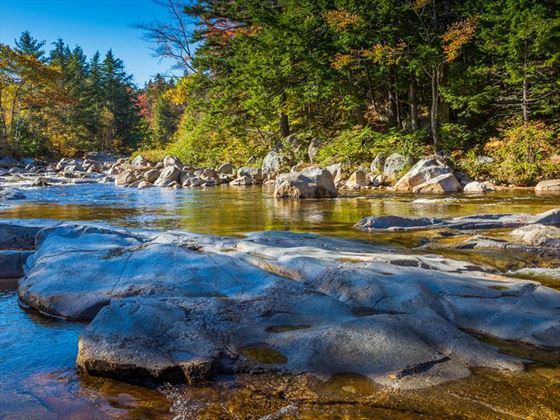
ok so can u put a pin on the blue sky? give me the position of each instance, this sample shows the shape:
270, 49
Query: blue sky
92, 24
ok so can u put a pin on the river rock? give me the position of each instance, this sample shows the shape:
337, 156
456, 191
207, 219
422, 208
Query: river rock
377, 164
139, 161
151, 175
310, 183
482, 221
12, 262
168, 175
179, 307
358, 179
445, 183
538, 235
125, 178
225, 169
274, 162
395, 165
7, 162
172, 161
11, 194
552, 186
313, 149
476, 187
142, 185
423, 171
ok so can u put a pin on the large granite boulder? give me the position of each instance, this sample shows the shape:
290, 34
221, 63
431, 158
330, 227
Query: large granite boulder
552, 186
139, 161
310, 183
446, 183
274, 162
423, 171
151, 175
180, 307
225, 169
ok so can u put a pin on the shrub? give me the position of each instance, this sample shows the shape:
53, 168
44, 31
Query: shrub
360, 145
522, 155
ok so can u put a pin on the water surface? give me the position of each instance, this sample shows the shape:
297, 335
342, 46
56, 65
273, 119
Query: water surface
37, 357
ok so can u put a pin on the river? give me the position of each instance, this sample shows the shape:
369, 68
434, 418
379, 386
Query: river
37, 354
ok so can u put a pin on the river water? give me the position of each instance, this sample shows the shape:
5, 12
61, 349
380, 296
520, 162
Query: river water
37, 354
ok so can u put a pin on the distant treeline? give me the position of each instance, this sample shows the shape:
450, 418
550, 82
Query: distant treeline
61, 103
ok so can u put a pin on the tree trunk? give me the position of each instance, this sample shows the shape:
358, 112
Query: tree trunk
397, 108
413, 106
434, 116
525, 104
284, 122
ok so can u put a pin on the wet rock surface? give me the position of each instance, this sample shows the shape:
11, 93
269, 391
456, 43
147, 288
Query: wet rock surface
182, 307
483, 221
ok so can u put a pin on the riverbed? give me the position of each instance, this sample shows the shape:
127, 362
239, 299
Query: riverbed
37, 362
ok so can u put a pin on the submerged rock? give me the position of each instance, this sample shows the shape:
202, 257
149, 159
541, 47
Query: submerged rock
181, 307
11, 194
538, 235
483, 221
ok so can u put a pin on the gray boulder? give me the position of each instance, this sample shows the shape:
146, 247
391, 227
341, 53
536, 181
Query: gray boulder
152, 175
552, 186
538, 235
172, 161
377, 164
445, 183
423, 171
397, 319
225, 169
7, 162
125, 178
310, 183
482, 221
476, 187
358, 179
395, 165
168, 175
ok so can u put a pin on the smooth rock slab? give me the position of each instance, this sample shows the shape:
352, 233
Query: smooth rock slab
181, 307
483, 221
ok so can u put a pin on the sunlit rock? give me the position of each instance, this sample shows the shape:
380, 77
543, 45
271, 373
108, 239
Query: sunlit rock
175, 306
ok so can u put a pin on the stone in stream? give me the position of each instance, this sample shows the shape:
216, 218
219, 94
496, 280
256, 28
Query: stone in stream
538, 235
152, 175
8, 162
176, 306
310, 183
358, 179
551, 186
483, 221
11, 194
12, 262
476, 187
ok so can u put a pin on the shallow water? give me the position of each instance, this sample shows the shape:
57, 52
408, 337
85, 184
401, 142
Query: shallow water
37, 354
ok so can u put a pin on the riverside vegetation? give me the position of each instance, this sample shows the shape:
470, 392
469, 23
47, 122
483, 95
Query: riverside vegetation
474, 80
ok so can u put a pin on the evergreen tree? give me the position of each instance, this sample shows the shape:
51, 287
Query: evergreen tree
26, 44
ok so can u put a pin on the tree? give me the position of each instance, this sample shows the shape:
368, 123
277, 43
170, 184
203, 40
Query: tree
26, 44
